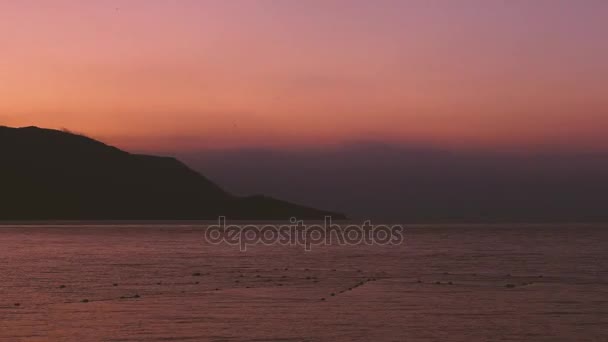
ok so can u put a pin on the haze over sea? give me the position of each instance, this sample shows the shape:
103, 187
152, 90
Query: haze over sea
162, 282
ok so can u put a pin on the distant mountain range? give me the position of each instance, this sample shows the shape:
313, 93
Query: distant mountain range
420, 183
56, 175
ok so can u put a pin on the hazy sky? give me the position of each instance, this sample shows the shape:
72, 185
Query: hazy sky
178, 74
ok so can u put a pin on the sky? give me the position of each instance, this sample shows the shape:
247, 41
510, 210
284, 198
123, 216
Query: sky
180, 75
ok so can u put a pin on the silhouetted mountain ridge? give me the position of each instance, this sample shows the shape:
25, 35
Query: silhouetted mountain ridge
49, 174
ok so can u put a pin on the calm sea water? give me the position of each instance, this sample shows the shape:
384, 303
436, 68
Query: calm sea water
163, 283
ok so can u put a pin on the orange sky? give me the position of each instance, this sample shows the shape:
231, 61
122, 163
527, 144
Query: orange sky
171, 75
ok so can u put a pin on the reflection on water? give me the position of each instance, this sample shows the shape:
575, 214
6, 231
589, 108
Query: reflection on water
153, 283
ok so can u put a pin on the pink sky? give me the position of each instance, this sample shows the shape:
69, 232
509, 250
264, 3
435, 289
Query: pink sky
171, 75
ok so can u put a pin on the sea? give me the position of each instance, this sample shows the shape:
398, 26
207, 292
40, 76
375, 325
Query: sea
165, 282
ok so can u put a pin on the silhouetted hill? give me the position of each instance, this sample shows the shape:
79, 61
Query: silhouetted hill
48, 174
